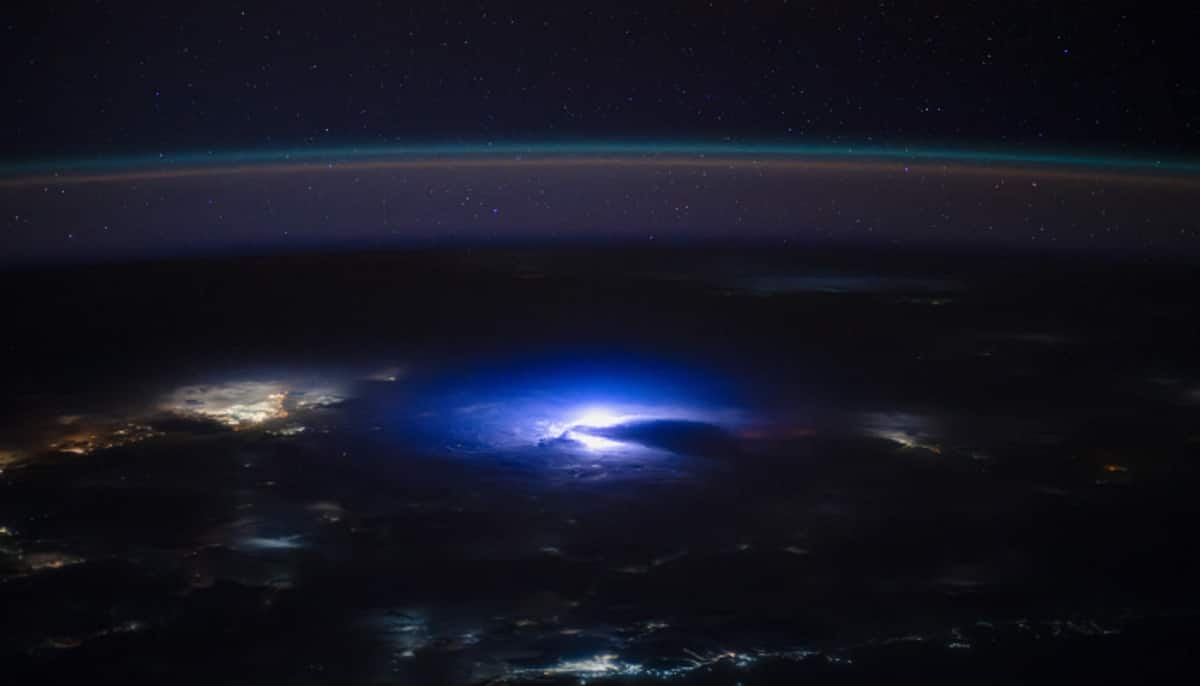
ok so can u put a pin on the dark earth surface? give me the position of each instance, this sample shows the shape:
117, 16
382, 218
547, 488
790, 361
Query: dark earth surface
712, 465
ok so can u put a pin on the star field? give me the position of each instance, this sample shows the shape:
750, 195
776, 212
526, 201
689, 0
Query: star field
105, 77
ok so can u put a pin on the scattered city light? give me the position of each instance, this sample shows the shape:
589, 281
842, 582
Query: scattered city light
89, 438
39, 562
8, 458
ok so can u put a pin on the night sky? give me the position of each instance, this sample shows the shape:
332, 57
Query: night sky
104, 83
100, 77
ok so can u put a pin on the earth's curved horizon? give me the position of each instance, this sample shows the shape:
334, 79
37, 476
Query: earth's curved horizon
426, 196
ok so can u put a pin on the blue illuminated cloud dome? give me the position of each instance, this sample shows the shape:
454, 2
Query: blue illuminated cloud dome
602, 406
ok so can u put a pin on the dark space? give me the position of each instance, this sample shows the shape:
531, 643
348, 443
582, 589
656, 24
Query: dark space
101, 78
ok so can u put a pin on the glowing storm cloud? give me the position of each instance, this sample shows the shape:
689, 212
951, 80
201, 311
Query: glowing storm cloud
587, 406
595, 427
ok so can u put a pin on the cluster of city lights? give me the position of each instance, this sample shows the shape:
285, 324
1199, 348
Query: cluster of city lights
243, 404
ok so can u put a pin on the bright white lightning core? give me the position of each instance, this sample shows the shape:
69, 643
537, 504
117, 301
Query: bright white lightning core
592, 442
580, 428
599, 418
576, 423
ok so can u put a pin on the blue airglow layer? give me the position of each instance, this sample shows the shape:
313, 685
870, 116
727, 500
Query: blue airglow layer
617, 149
